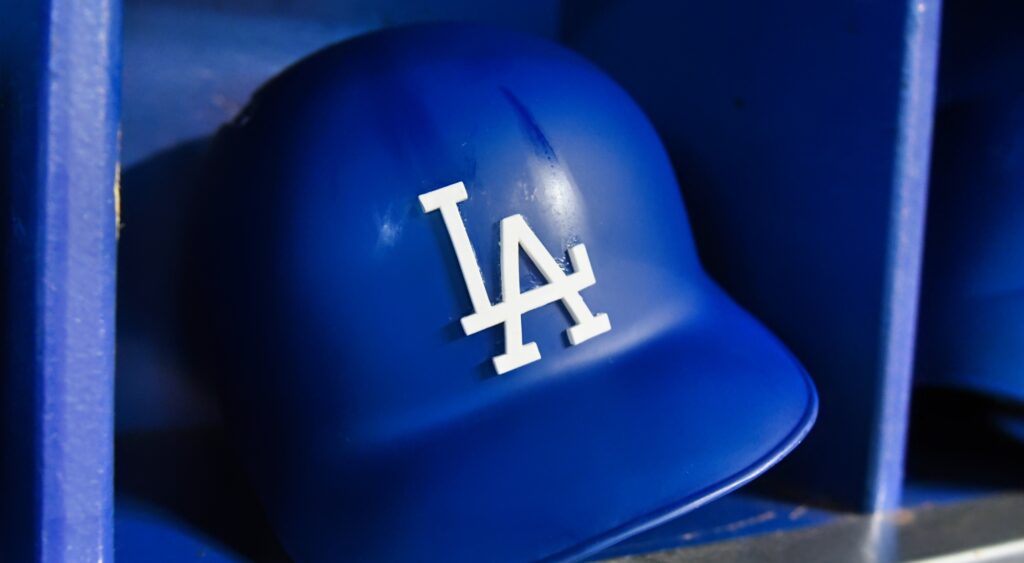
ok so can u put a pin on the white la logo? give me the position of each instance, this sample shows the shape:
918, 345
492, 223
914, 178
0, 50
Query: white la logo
515, 233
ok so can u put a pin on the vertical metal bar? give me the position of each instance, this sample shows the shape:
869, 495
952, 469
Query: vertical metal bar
61, 149
905, 250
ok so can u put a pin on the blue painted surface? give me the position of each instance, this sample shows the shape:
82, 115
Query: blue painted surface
967, 438
800, 134
972, 321
59, 107
371, 425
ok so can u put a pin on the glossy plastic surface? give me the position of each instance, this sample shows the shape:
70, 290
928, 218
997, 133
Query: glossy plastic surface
145, 534
373, 427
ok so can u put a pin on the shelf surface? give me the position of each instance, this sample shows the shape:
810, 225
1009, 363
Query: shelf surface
986, 529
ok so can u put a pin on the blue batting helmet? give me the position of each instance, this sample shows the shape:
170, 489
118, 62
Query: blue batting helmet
404, 383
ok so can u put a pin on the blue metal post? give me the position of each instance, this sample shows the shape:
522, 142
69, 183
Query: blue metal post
59, 118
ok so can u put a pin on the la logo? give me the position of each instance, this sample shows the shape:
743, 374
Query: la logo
516, 234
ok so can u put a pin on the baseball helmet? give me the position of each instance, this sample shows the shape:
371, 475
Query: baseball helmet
448, 281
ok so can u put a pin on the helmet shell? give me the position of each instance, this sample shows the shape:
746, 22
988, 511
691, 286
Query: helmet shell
373, 426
